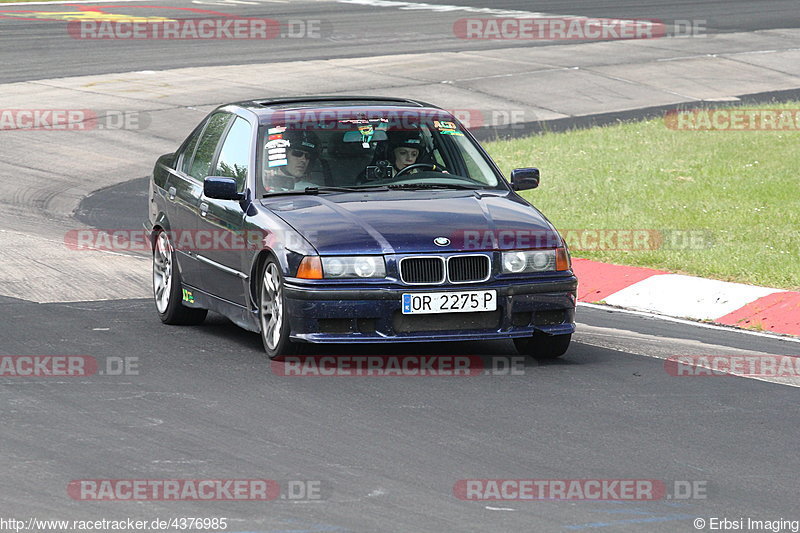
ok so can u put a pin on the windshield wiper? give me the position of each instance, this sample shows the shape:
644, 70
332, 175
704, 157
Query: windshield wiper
434, 186
317, 190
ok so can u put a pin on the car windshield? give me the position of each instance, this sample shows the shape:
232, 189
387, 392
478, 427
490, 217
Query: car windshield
338, 150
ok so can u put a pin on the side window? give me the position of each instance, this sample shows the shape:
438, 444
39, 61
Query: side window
234, 158
478, 168
186, 155
201, 164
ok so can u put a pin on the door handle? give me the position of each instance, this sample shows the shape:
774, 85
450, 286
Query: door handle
203, 209
172, 192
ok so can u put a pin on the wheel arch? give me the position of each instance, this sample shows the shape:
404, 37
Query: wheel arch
257, 266
160, 224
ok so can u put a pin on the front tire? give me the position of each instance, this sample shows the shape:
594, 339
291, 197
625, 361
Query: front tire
167, 286
272, 313
543, 346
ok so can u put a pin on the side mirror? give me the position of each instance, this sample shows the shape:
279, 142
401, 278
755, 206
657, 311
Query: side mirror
523, 179
221, 188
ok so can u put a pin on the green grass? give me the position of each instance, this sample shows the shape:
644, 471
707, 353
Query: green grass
742, 189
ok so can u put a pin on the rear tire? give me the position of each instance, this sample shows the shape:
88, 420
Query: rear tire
543, 346
167, 286
272, 313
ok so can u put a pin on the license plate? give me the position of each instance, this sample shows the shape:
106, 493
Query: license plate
426, 303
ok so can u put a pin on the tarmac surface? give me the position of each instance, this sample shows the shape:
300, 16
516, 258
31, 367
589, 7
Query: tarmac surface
386, 453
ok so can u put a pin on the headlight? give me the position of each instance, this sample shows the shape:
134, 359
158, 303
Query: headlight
535, 261
514, 262
334, 267
358, 267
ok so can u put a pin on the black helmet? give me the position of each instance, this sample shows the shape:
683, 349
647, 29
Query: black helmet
409, 139
303, 140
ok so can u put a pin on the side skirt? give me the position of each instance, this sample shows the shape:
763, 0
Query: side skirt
238, 314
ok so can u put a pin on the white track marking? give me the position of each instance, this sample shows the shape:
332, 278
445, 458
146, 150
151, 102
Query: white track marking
687, 296
421, 6
451, 8
658, 347
717, 327
229, 3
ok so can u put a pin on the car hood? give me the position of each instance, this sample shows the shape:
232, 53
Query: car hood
410, 221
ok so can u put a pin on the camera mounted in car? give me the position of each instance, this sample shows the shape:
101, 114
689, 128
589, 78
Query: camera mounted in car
381, 170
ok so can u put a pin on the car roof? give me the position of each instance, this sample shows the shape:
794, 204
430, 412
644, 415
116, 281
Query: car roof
264, 107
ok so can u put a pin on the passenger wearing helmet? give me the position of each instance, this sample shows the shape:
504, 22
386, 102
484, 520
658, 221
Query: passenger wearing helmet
302, 150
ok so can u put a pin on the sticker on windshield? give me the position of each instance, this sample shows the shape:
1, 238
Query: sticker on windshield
276, 149
446, 128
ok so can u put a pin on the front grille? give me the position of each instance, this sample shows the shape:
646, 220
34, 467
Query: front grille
434, 270
426, 270
467, 268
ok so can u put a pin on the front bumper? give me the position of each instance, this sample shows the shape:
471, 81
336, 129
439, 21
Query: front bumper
324, 314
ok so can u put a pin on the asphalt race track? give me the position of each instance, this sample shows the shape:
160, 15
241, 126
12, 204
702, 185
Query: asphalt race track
387, 452
360, 454
347, 28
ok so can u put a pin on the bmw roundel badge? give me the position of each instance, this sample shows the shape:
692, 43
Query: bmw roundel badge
441, 241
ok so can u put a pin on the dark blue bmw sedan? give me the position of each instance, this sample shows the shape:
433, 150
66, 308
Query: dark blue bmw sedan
354, 219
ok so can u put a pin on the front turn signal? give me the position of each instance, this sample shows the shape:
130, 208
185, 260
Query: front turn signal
563, 261
310, 268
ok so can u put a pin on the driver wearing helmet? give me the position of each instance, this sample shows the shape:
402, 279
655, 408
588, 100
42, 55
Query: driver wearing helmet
302, 150
404, 149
